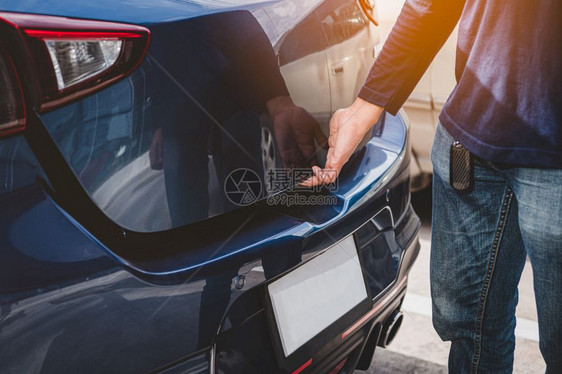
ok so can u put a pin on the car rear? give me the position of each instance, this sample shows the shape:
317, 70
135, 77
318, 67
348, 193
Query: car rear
112, 261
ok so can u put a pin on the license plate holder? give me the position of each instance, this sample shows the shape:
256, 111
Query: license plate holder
311, 305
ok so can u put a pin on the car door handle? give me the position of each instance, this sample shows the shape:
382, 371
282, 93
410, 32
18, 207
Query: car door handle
337, 68
377, 50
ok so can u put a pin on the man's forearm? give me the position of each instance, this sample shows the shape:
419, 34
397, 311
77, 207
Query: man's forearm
420, 31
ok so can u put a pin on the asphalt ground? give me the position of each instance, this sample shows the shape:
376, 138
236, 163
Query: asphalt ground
418, 349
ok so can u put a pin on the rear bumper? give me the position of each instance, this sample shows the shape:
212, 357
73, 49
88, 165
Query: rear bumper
355, 341
361, 338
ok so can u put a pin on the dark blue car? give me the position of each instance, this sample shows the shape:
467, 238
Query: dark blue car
152, 217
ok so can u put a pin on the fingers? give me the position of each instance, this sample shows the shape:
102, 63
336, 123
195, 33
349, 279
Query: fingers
312, 181
315, 179
321, 176
334, 163
348, 127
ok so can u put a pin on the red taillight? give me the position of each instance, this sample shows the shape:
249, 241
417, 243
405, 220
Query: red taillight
12, 106
72, 58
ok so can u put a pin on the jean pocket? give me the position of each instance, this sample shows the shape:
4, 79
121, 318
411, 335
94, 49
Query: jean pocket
440, 150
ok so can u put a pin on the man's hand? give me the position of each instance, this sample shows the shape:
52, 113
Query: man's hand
347, 128
295, 131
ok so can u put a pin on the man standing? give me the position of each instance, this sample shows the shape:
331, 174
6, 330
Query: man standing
497, 162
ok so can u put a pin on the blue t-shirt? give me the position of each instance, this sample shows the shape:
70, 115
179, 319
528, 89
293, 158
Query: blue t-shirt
507, 104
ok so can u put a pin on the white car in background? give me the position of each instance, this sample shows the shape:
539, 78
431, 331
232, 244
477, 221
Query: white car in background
427, 100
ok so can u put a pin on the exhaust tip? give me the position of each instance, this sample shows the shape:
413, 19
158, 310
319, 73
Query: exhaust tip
390, 328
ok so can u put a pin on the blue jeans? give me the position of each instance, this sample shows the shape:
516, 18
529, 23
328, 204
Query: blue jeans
480, 242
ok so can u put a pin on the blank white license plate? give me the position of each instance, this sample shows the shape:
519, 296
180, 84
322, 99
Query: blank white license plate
318, 293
